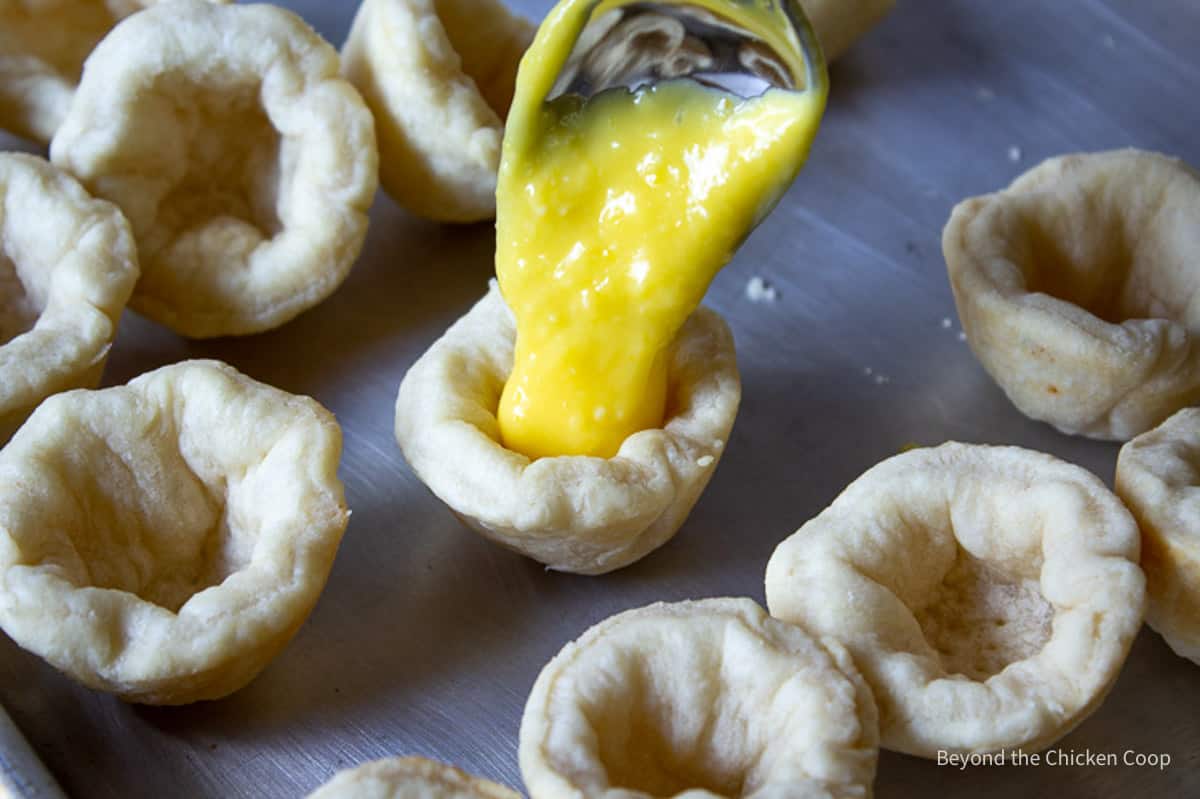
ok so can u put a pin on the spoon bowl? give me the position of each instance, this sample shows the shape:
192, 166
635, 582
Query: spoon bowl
637, 44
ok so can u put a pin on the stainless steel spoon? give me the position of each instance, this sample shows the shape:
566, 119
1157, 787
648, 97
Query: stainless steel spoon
643, 43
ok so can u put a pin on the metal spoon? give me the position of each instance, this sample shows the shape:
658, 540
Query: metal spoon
643, 43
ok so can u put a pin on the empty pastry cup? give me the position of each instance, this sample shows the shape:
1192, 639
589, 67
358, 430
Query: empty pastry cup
409, 778
1157, 475
438, 76
244, 162
67, 266
1076, 288
163, 540
710, 699
840, 23
43, 44
572, 513
989, 595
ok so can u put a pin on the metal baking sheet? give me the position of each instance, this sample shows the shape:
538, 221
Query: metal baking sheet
428, 638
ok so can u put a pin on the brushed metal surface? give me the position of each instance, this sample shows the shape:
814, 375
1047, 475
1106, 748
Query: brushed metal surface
428, 638
22, 775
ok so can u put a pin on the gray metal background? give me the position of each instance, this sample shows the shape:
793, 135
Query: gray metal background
427, 638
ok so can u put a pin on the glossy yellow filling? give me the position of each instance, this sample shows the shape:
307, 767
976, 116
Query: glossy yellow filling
614, 215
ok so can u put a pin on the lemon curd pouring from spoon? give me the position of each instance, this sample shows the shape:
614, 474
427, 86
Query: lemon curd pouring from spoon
645, 142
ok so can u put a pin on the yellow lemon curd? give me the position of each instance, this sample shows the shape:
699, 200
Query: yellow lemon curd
613, 216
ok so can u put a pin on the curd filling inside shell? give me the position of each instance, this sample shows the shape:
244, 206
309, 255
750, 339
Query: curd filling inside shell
615, 210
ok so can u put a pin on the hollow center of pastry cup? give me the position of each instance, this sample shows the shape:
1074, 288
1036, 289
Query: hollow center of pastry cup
131, 514
229, 195
979, 620
673, 713
646, 760
21, 302
1117, 257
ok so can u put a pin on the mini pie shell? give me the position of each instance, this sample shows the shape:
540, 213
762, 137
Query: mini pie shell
1075, 288
438, 76
410, 778
1158, 477
840, 23
163, 540
245, 164
1013, 562
572, 513
42, 52
75, 262
700, 699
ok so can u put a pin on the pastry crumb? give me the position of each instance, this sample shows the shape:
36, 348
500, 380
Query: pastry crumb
759, 290
947, 323
1014, 154
876, 377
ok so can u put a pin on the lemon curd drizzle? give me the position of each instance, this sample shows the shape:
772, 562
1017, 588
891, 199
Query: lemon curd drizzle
615, 213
